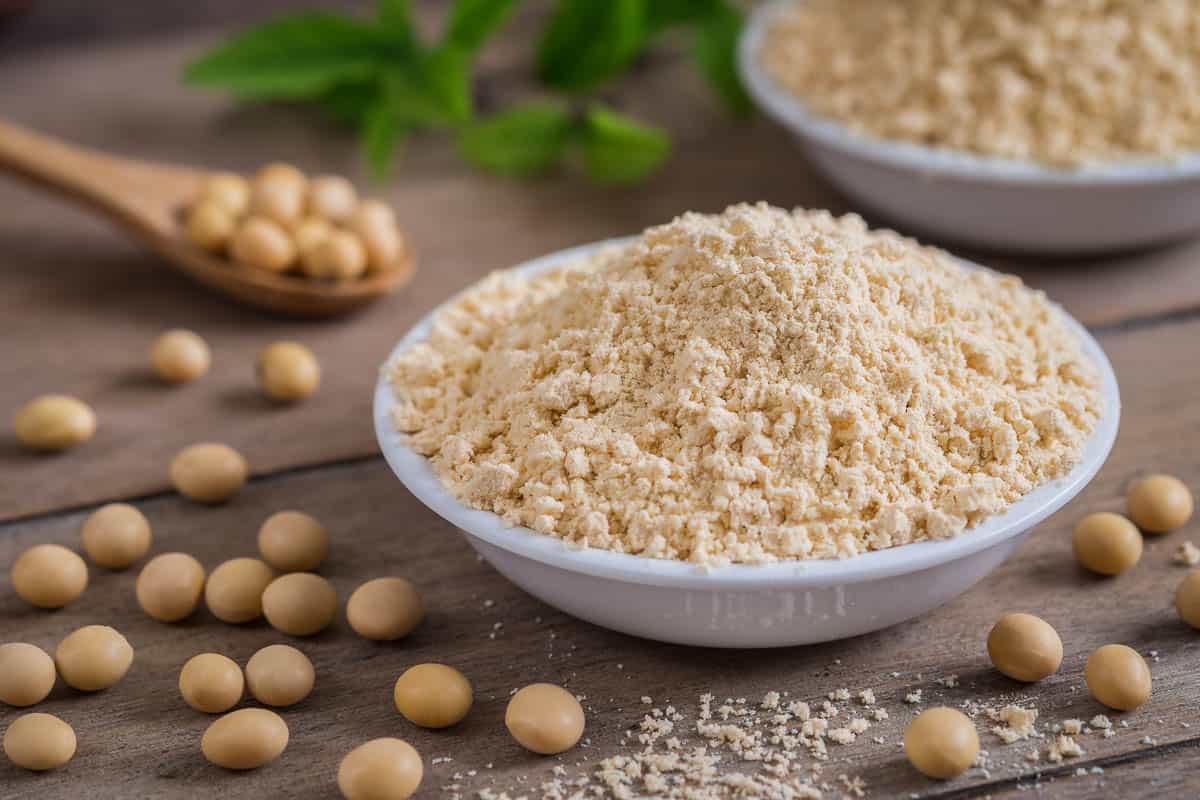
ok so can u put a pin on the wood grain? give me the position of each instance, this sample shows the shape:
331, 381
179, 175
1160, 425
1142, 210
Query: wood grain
139, 740
1158, 771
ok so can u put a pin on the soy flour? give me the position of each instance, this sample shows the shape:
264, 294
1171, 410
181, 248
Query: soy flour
751, 386
1063, 82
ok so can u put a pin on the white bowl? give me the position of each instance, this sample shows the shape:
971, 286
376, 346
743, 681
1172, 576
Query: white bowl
769, 605
996, 203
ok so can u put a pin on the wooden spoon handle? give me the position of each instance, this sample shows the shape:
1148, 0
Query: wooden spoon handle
135, 194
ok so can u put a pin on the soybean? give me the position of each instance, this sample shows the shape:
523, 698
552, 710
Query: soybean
26, 674
49, 576
116, 535
54, 422
93, 658
39, 742
941, 743
381, 769
245, 739
280, 675
292, 541
1024, 647
544, 718
288, 371
211, 682
300, 603
179, 356
385, 609
209, 472
169, 586
1118, 677
433, 695
1159, 503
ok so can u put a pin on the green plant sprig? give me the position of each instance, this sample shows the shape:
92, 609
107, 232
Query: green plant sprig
379, 76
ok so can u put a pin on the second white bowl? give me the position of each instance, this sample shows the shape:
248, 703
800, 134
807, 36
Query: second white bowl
996, 203
769, 605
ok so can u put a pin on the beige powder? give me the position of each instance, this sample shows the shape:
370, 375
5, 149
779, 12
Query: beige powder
1062, 747
1188, 555
1016, 723
1058, 81
747, 387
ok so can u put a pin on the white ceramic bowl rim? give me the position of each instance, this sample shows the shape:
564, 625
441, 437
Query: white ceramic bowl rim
786, 107
414, 472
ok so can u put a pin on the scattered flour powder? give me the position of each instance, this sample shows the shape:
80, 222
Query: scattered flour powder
747, 387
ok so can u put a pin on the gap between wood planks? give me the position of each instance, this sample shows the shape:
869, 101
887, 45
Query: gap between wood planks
1066, 770
1144, 322
256, 479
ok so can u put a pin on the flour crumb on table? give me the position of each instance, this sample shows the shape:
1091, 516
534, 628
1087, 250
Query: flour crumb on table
1188, 555
1062, 747
1014, 723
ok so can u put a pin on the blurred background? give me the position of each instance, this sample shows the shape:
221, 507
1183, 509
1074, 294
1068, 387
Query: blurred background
29, 24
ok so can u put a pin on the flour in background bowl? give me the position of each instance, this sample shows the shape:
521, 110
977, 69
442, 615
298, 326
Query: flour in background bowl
1069, 83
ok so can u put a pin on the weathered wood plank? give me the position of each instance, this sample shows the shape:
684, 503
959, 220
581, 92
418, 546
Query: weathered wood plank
138, 739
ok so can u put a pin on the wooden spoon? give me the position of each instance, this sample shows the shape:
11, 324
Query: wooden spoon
147, 200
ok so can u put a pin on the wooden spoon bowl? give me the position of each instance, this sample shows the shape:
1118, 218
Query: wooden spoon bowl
147, 200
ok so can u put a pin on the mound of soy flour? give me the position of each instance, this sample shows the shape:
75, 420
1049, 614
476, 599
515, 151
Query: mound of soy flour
747, 387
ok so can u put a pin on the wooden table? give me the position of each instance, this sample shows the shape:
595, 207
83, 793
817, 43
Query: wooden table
79, 308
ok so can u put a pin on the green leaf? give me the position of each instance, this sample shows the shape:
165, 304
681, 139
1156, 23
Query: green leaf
588, 41
348, 102
663, 14
473, 21
395, 21
715, 51
433, 94
410, 96
405, 104
522, 142
446, 73
409, 101
619, 149
297, 56
382, 131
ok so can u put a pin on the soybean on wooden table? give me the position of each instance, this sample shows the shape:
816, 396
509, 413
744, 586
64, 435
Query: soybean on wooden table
79, 309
